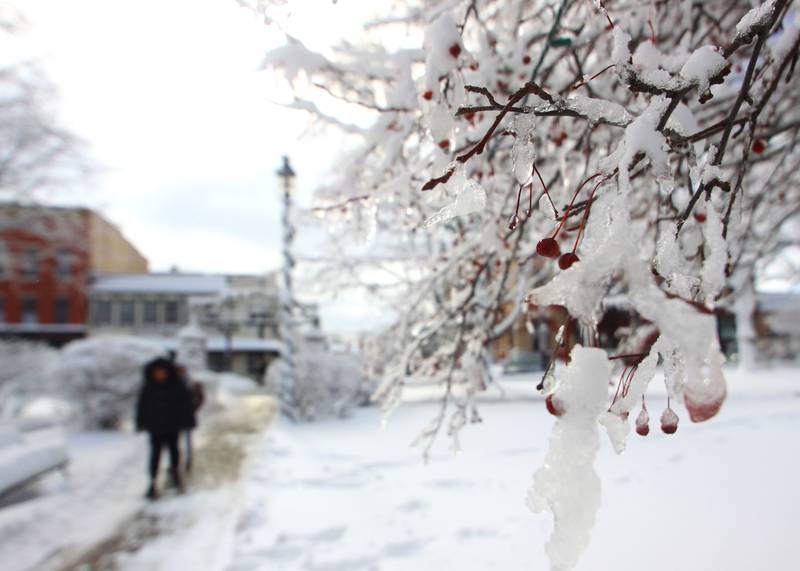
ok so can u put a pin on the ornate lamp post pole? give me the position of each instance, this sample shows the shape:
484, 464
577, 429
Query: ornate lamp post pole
287, 304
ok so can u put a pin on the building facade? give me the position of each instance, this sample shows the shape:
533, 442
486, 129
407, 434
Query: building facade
47, 258
238, 314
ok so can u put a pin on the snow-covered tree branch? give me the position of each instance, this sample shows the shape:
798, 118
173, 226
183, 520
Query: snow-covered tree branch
522, 155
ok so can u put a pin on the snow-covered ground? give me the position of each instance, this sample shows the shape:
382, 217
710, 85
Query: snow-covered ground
95, 517
70, 512
348, 496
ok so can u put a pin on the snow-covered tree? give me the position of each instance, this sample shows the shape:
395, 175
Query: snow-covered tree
326, 384
520, 154
36, 152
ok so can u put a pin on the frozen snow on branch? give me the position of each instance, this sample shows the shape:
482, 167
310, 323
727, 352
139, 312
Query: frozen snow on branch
294, 58
704, 63
470, 197
757, 17
567, 484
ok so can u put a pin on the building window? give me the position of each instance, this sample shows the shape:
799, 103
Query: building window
62, 310
150, 313
171, 312
64, 264
101, 312
127, 313
30, 310
2, 310
30, 264
256, 364
3, 261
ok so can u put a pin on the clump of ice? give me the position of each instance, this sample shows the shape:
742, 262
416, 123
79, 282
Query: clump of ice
597, 110
683, 121
617, 428
711, 172
470, 197
716, 256
567, 484
523, 152
440, 36
642, 136
440, 122
705, 390
647, 56
758, 16
620, 53
704, 63
294, 59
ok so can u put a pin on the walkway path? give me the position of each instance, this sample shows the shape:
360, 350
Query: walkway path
179, 529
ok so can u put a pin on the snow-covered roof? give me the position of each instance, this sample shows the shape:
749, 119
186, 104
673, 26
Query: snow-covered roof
245, 344
190, 284
218, 344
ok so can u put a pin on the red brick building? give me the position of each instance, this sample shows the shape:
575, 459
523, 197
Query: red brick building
47, 258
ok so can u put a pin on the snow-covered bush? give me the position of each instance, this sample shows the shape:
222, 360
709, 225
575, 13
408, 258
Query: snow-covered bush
25, 374
325, 383
101, 376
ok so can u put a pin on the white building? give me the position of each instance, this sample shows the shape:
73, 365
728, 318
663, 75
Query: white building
238, 313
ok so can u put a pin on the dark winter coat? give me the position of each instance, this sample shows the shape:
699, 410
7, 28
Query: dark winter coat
164, 406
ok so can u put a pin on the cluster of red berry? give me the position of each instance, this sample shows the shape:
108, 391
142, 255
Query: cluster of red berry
669, 420
549, 248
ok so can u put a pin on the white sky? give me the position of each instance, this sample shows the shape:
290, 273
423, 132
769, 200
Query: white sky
167, 96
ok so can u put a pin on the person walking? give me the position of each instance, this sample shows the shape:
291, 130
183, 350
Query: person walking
197, 394
163, 409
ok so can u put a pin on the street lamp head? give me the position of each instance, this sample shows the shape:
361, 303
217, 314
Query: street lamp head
286, 172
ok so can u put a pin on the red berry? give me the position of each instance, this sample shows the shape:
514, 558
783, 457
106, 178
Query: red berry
566, 260
554, 405
548, 247
700, 217
444, 144
562, 136
669, 421
759, 146
701, 410
428, 95
455, 50
474, 66
526, 59
643, 423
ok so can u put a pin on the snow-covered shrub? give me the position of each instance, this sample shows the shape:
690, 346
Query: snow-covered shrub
101, 376
25, 374
325, 383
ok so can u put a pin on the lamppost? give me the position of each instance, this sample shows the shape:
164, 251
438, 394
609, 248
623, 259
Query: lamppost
288, 400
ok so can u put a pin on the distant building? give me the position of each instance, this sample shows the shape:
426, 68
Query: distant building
237, 312
47, 257
777, 324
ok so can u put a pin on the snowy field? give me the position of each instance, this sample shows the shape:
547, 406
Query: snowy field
348, 496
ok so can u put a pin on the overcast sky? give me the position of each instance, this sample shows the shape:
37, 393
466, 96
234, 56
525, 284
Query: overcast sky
167, 95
